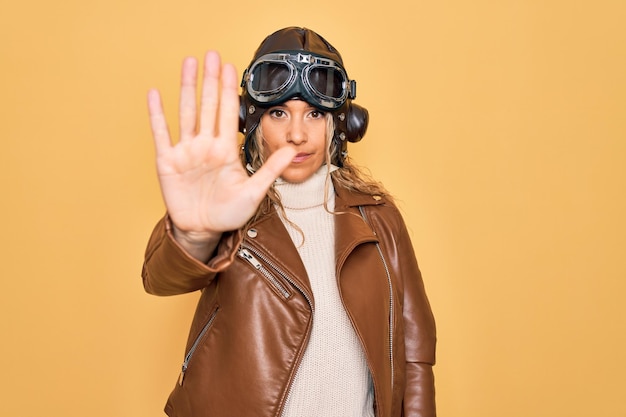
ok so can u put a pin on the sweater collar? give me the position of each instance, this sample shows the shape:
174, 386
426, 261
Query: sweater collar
307, 194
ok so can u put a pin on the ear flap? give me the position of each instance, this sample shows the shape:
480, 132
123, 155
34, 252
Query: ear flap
249, 117
356, 123
350, 126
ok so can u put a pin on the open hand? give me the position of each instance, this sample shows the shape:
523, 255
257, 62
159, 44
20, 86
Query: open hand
204, 185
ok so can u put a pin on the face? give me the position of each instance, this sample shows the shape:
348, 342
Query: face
296, 123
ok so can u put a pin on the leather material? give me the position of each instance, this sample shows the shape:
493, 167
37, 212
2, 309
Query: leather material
249, 332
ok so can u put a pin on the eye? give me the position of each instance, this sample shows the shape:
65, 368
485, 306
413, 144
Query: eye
317, 114
278, 113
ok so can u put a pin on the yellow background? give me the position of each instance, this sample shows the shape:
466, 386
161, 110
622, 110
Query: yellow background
500, 126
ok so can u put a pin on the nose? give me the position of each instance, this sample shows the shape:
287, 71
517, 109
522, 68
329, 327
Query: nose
296, 133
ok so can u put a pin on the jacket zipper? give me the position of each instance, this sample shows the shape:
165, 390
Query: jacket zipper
391, 315
248, 253
196, 342
255, 252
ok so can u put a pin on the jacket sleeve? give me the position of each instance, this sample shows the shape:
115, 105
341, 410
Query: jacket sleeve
169, 270
419, 332
417, 316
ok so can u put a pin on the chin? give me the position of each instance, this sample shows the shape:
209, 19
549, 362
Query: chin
298, 176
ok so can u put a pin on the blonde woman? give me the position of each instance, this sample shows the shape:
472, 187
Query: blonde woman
312, 302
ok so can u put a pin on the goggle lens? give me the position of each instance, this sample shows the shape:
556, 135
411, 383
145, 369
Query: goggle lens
327, 81
270, 77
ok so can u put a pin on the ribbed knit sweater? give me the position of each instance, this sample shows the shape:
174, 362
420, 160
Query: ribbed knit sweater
333, 379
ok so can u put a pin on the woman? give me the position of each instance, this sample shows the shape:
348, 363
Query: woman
312, 301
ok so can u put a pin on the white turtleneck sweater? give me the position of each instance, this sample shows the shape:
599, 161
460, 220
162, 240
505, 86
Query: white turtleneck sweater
333, 379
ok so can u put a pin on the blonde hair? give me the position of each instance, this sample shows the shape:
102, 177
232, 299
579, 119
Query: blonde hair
349, 176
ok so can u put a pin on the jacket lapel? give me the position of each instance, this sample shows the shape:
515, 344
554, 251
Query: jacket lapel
351, 229
265, 234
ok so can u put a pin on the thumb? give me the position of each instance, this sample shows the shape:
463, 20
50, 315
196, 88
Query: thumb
272, 169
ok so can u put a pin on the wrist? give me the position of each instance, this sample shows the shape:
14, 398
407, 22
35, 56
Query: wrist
199, 245
193, 238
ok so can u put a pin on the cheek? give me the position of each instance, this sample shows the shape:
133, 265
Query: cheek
271, 135
267, 150
269, 144
320, 137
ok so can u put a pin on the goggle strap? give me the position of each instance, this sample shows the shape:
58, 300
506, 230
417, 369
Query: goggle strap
244, 78
352, 90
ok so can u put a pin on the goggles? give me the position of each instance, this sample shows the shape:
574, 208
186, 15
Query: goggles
321, 82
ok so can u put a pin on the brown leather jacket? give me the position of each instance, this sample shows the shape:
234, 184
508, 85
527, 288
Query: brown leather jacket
254, 316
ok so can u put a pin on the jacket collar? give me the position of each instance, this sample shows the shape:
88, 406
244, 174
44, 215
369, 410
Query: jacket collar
346, 198
351, 230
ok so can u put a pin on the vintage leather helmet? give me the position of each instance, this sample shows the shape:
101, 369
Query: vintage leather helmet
296, 62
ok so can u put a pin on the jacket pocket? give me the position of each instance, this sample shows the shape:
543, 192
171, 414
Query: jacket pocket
196, 343
254, 259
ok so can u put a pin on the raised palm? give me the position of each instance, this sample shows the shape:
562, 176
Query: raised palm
205, 188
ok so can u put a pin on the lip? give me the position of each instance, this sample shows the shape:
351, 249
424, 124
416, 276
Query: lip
301, 157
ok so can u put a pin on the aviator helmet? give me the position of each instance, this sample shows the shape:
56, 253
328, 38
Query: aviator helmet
298, 63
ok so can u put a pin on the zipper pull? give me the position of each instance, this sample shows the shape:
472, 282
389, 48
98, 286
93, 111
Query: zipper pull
245, 254
182, 375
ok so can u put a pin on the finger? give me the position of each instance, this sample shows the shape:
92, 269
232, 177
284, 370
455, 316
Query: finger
158, 123
229, 103
272, 169
210, 85
187, 107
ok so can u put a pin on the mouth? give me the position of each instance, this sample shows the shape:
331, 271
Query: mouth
301, 157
